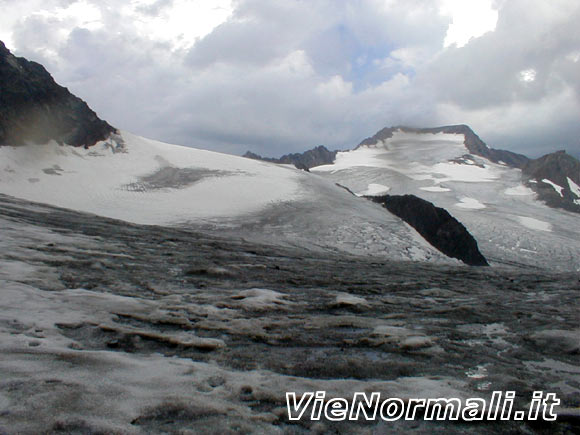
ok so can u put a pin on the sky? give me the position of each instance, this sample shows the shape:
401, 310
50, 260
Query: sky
280, 76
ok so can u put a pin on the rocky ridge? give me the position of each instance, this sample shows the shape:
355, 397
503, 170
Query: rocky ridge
472, 142
306, 160
35, 109
436, 225
556, 167
555, 178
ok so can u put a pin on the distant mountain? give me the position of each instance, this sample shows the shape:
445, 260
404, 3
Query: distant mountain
556, 168
555, 178
306, 160
497, 195
127, 177
35, 109
131, 178
472, 142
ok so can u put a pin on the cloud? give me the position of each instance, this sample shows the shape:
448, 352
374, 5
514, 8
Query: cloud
281, 76
516, 80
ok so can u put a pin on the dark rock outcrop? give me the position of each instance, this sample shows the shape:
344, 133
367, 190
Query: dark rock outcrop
34, 108
472, 142
436, 226
556, 167
306, 160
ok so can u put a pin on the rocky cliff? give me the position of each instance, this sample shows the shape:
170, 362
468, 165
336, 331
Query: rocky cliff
436, 226
35, 109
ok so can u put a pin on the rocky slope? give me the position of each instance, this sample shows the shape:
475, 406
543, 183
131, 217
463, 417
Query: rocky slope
436, 225
510, 224
306, 160
555, 178
34, 108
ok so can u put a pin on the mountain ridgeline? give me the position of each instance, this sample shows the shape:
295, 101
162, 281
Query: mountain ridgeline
309, 159
472, 142
35, 109
557, 168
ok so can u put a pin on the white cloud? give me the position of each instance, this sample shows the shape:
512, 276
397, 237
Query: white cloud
527, 75
470, 19
551, 125
180, 22
335, 87
282, 76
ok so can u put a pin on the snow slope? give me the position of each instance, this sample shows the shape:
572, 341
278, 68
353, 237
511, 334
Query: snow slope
510, 225
143, 181
148, 182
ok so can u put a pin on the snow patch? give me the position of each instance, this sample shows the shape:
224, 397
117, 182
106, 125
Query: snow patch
556, 187
535, 224
149, 182
348, 299
261, 299
574, 187
383, 153
470, 203
471, 174
363, 156
375, 189
402, 337
519, 190
435, 189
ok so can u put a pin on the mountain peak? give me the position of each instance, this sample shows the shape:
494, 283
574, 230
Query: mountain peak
3, 50
555, 177
472, 142
34, 108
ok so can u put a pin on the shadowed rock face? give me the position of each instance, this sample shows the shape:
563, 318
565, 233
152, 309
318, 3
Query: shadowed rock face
436, 225
34, 108
308, 159
556, 167
472, 141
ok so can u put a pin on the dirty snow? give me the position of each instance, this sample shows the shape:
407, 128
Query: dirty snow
153, 347
348, 299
